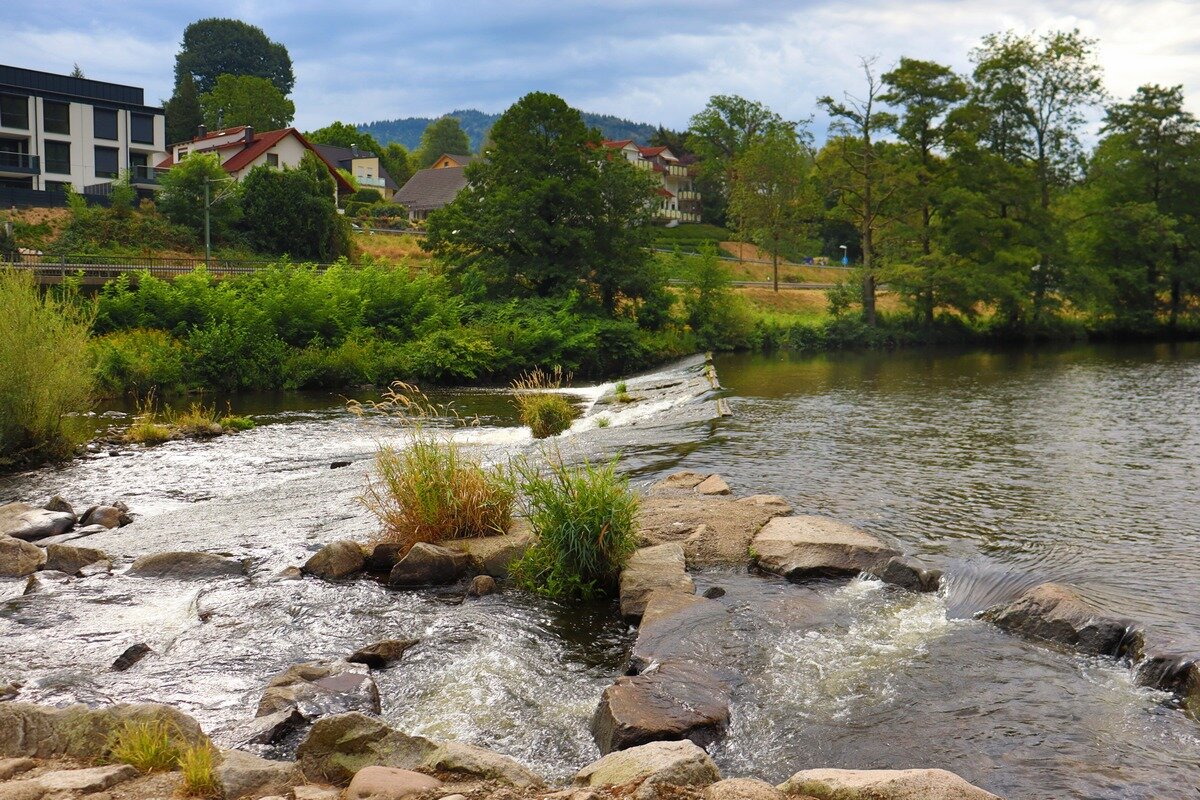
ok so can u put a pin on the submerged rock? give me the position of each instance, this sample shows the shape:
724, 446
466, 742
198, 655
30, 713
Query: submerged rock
35, 731
652, 765
70, 559
23, 521
339, 746
651, 569
427, 564
389, 783
19, 558
481, 585
1055, 613
338, 560
673, 701
806, 547
677, 626
71, 536
908, 574
1175, 673
681, 480
186, 566
318, 689
883, 784
382, 655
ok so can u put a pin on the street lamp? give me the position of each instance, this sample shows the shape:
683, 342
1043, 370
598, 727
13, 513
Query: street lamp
845, 258
207, 205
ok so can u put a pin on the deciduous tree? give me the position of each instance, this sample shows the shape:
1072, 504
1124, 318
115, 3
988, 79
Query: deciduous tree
246, 100
442, 136
214, 47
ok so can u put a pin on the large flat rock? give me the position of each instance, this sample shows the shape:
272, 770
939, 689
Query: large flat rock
680, 763
713, 530
883, 784
23, 521
1058, 614
673, 701
35, 731
679, 627
806, 547
650, 569
187, 566
339, 746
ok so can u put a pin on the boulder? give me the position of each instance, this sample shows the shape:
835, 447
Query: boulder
382, 655
290, 574
1057, 614
10, 767
1175, 673
246, 775
70, 559
269, 728
338, 560
383, 557
494, 555
713, 530
57, 503
132, 655
389, 783
427, 564
907, 574
742, 789
481, 585
673, 701
86, 781
339, 746
883, 784
187, 566
659, 567
656, 764
108, 517
23, 521
477, 762
19, 558
35, 731
681, 480
713, 485
806, 547
318, 689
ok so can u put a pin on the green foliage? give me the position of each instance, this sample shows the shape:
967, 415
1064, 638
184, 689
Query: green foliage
246, 100
44, 361
293, 211
148, 746
183, 111
181, 198
367, 196
717, 317
214, 47
197, 767
234, 422
585, 521
137, 361
546, 411
442, 136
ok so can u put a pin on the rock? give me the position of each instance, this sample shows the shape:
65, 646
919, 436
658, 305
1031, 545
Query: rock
23, 521
338, 560
315, 792
21, 790
714, 593
317, 689
269, 728
19, 558
1057, 614
246, 775
382, 655
57, 503
493, 555
673, 701
87, 781
338, 464
714, 530
384, 556
768, 501
186, 566
106, 516
35, 731
481, 585
883, 784
132, 655
389, 783
69, 559
290, 574
907, 574
45, 581
742, 789
427, 564
1175, 673
653, 568
477, 762
805, 547
656, 764
339, 746
713, 484
101, 567
675, 627
450, 797
71, 536
681, 480
15, 766
9, 691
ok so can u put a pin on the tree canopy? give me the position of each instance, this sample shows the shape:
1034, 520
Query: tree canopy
214, 47
442, 136
183, 111
293, 211
246, 100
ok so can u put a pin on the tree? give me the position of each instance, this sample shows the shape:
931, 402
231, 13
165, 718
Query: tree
77, 71
398, 162
293, 211
772, 199
181, 197
859, 179
246, 100
214, 47
550, 212
442, 136
675, 141
183, 111
394, 158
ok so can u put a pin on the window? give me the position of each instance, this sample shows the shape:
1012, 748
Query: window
14, 111
104, 123
57, 186
58, 157
272, 159
56, 117
138, 160
141, 128
106, 162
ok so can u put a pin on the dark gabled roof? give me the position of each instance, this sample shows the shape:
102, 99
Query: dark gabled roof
343, 156
430, 189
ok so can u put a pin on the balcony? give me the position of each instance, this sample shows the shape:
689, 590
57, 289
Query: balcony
688, 195
19, 164
143, 174
377, 183
682, 216
677, 170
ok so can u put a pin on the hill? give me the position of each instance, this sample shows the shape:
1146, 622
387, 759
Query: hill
407, 131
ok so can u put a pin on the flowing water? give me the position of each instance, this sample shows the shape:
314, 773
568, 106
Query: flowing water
1005, 468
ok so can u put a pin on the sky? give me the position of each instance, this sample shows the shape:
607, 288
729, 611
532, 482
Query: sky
655, 62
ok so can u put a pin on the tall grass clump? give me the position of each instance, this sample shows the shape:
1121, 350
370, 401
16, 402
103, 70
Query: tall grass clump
45, 372
542, 408
432, 488
197, 766
148, 746
585, 520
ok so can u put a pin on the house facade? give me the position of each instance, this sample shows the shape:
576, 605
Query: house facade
365, 166
56, 130
450, 161
678, 198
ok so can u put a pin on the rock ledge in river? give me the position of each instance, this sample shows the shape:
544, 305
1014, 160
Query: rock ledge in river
805, 547
883, 784
1055, 613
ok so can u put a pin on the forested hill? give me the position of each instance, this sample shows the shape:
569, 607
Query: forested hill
408, 131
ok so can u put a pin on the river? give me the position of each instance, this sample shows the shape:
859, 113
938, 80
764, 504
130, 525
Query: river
1005, 469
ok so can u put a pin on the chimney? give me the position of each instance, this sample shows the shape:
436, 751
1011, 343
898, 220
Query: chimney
354, 150
249, 134
201, 131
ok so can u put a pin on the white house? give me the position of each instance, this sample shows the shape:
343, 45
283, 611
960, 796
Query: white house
679, 198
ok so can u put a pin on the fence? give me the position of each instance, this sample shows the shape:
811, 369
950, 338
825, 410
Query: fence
13, 196
96, 270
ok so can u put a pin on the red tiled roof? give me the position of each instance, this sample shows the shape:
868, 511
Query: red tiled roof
617, 144
650, 152
665, 192
261, 143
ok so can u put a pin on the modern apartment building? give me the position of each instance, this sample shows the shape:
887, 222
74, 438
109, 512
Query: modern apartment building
57, 130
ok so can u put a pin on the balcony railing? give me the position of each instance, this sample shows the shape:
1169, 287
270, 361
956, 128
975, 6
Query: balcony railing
682, 216
369, 181
141, 173
21, 163
677, 170
688, 195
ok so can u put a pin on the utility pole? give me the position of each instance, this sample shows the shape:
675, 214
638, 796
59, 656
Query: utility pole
207, 234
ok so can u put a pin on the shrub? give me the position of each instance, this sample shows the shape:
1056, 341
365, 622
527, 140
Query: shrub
137, 361
542, 408
145, 745
197, 767
44, 369
233, 422
585, 518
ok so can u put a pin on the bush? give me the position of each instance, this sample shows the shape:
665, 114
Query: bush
197, 767
546, 412
585, 518
137, 361
44, 369
148, 746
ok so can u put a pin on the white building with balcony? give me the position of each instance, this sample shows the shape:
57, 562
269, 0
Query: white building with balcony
679, 199
57, 130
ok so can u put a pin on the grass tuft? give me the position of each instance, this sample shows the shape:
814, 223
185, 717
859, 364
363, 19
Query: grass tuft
148, 746
546, 412
197, 765
233, 422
